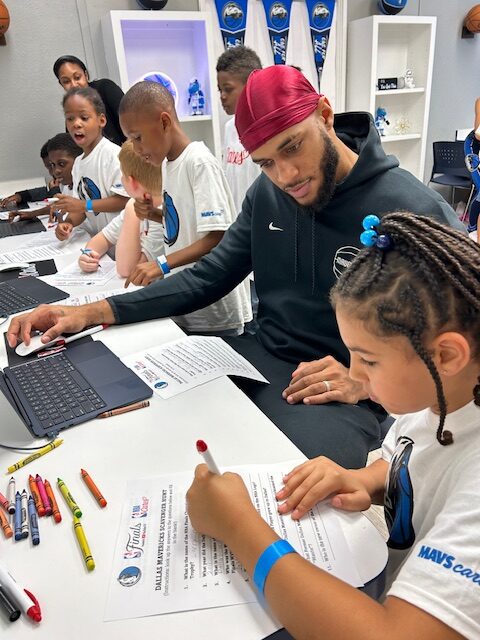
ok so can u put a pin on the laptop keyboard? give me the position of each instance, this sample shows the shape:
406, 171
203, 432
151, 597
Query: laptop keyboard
12, 302
56, 391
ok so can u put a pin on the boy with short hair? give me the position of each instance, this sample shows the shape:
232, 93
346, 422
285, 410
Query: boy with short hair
134, 244
233, 68
198, 206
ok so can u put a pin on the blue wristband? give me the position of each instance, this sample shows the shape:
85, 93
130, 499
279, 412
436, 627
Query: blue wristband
266, 561
163, 264
89, 206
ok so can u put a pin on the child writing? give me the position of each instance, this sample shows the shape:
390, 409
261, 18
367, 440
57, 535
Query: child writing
197, 207
22, 198
96, 173
134, 243
233, 68
409, 312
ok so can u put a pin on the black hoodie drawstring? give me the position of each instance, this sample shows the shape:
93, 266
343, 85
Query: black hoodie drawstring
295, 247
313, 214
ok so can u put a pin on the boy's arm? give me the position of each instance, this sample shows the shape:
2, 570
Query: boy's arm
128, 252
146, 272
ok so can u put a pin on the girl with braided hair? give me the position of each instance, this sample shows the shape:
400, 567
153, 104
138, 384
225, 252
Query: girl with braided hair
409, 313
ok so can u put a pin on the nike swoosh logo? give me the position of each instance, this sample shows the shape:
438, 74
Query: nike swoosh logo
272, 227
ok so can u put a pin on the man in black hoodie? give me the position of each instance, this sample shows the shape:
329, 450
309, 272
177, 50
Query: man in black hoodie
298, 230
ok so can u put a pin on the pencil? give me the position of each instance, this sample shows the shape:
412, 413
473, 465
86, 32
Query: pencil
126, 409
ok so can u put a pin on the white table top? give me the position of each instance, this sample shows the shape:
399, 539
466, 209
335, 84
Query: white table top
149, 442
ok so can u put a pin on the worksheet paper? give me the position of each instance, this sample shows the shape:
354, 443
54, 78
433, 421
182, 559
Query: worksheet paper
32, 254
95, 296
188, 362
161, 565
73, 276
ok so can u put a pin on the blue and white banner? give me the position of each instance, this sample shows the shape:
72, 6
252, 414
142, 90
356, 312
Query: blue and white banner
232, 17
320, 15
277, 13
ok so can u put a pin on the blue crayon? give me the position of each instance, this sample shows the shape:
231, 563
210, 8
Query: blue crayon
18, 516
24, 514
32, 516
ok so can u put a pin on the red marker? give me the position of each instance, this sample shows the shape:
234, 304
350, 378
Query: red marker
207, 456
22, 597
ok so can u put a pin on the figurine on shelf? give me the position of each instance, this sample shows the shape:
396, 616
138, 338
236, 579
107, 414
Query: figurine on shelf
409, 79
402, 126
196, 98
381, 120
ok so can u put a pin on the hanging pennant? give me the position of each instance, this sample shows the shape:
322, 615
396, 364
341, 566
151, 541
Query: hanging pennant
277, 13
320, 15
232, 17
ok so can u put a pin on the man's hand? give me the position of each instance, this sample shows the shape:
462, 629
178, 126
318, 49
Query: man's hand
143, 274
63, 230
144, 209
53, 320
322, 381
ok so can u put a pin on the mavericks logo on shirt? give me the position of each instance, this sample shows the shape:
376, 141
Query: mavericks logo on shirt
399, 497
343, 258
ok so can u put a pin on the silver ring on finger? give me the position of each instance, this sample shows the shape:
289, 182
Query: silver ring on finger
328, 386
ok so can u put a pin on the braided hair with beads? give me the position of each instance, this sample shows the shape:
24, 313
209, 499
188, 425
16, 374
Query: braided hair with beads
426, 281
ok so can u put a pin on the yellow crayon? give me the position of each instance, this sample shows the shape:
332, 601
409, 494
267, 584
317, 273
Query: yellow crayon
73, 506
82, 541
41, 452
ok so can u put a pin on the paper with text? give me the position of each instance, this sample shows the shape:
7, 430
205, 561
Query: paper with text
188, 362
95, 296
73, 276
162, 565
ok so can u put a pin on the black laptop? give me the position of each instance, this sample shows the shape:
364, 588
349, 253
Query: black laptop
27, 293
69, 387
7, 229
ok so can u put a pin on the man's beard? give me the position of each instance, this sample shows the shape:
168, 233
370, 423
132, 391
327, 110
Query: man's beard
328, 168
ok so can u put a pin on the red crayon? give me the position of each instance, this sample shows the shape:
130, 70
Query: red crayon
36, 496
93, 488
43, 495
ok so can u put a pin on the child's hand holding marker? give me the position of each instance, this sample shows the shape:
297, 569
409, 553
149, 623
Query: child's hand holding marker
89, 261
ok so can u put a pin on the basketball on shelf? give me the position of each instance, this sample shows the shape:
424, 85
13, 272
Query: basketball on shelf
472, 19
391, 7
4, 18
152, 4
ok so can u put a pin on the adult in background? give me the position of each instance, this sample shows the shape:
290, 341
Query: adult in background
72, 72
297, 231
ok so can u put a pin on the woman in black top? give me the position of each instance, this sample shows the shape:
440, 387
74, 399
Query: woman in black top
71, 72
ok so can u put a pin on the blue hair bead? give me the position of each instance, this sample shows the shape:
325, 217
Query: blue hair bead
369, 238
370, 221
384, 241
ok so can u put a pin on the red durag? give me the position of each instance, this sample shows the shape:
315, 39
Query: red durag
273, 100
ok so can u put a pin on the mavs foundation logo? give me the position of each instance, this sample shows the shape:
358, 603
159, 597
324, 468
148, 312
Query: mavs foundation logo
343, 259
232, 15
279, 16
320, 15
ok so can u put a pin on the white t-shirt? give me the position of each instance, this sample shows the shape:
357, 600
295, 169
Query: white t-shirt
95, 177
433, 499
197, 200
151, 244
239, 168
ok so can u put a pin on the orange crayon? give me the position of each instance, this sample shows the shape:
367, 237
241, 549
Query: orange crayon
36, 496
57, 516
7, 529
93, 488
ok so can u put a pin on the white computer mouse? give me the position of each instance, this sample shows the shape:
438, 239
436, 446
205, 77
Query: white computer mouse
12, 266
35, 345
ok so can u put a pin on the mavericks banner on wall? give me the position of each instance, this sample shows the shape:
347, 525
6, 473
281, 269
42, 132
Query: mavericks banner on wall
320, 15
277, 13
232, 17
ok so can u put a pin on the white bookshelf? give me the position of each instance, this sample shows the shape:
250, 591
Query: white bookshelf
385, 47
177, 43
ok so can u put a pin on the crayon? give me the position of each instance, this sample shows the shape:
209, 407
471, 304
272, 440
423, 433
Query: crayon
93, 488
57, 516
73, 506
5, 525
43, 495
11, 495
32, 516
82, 541
36, 496
24, 503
